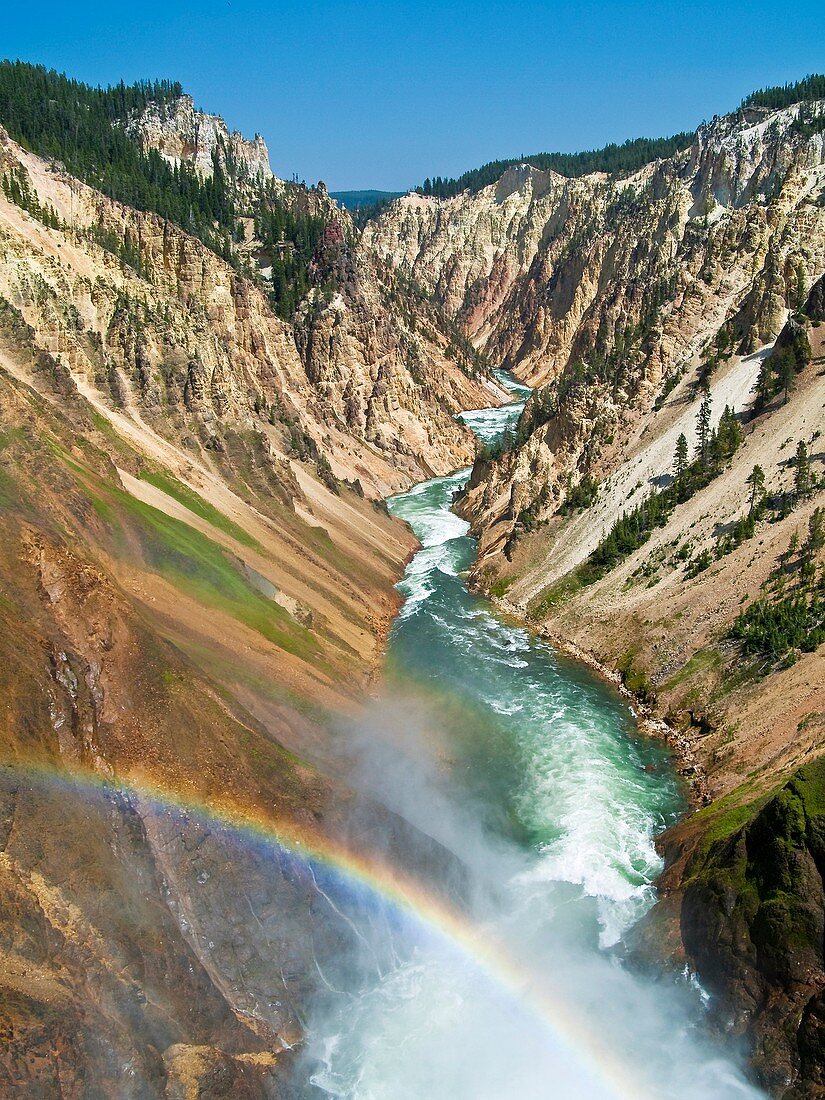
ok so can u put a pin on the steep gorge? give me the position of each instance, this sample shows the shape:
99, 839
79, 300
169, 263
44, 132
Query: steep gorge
612, 288
197, 572
195, 584
626, 300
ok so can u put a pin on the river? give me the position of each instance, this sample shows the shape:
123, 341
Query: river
532, 772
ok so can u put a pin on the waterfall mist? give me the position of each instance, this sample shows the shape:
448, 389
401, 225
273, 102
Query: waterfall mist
541, 804
427, 1017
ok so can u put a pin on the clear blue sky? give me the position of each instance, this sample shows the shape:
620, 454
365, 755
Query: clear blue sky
382, 95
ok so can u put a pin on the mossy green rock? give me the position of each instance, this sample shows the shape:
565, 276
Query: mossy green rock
753, 925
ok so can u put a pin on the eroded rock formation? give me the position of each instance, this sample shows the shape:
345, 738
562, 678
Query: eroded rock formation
610, 289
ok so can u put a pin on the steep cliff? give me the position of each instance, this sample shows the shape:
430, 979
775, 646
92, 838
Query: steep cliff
149, 317
181, 133
751, 918
612, 289
660, 507
537, 265
195, 582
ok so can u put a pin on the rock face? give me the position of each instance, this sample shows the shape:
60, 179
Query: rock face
617, 298
166, 639
194, 345
181, 133
815, 306
753, 917
195, 582
538, 265
610, 289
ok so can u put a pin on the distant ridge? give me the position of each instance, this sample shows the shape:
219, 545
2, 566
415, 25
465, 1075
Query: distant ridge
354, 200
618, 159
621, 159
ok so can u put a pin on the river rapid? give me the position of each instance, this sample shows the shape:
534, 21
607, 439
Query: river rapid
532, 773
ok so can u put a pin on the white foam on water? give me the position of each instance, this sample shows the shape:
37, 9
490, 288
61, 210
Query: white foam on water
442, 1029
433, 1026
489, 425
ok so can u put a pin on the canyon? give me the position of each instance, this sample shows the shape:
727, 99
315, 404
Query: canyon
626, 301
198, 569
197, 579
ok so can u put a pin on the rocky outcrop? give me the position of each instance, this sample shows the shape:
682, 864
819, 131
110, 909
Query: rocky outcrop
620, 299
181, 133
370, 378
196, 578
611, 289
815, 305
176, 636
752, 921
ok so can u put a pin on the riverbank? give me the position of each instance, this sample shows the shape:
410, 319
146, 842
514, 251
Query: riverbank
529, 769
740, 898
648, 721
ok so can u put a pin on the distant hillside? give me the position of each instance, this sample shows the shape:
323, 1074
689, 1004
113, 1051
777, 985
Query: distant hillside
783, 95
85, 129
617, 160
354, 200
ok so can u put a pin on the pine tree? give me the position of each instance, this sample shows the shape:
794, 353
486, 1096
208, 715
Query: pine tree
703, 425
799, 303
816, 531
729, 433
756, 480
786, 374
802, 478
800, 349
680, 462
764, 384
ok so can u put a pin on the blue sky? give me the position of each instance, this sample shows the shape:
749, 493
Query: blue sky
382, 95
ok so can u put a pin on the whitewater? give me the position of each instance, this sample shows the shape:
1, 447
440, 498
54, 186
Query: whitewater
532, 774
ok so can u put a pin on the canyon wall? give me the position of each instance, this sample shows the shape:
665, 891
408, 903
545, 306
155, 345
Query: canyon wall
181, 133
196, 580
611, 289
639, 307
197, 571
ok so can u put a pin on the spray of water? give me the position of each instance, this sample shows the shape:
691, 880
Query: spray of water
531, 774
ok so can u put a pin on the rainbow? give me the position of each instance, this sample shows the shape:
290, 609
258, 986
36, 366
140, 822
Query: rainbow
407, 897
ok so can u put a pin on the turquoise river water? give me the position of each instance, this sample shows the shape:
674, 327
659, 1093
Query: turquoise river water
531, 771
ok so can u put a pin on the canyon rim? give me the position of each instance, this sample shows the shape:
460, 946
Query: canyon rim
413, 682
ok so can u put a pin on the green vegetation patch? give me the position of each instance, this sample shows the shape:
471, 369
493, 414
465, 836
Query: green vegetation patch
776, 627
554, 595
195, 503
196, 565
704, 660
201, 568
104, 426
784, 95
634, 678
9, 490
10, 436
617, 160
499, 587
724, 817
809, 784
